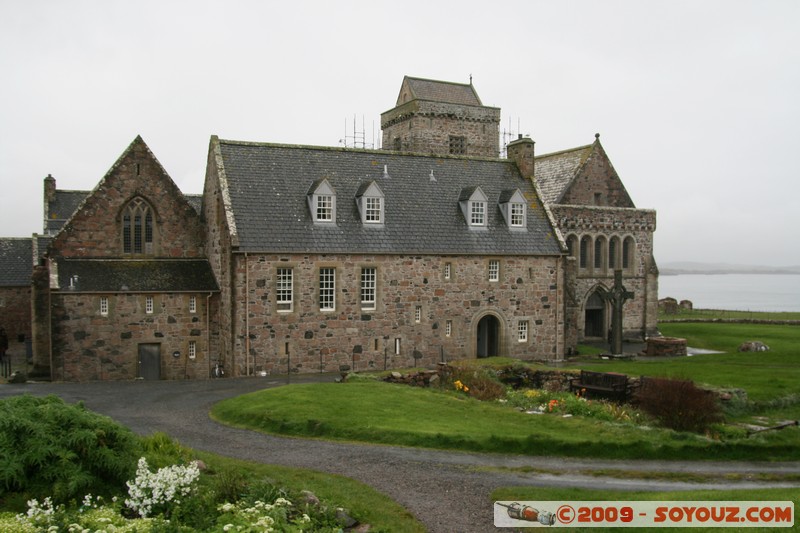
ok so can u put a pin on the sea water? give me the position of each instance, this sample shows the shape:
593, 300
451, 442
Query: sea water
734, 292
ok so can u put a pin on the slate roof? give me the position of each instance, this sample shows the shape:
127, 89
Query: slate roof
16, 262
137, 275
554, 172
443, 91
62, 208
268, 186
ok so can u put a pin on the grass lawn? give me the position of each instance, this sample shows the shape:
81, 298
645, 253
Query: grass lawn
369, 505
369, 411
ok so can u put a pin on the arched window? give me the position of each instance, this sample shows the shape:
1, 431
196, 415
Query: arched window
628, 248
586, 245
600, 254
137, 228
572, 245
613, 253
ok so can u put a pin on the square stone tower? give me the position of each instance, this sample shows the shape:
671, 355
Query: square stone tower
442, 118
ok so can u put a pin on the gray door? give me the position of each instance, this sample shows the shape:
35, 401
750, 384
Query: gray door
150, 361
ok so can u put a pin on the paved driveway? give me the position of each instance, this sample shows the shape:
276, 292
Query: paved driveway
444, 490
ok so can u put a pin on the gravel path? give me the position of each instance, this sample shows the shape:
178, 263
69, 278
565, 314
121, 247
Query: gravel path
444, 490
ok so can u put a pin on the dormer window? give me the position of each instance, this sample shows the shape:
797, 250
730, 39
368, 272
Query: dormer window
473, 205
370, 202
513, 207
322, 202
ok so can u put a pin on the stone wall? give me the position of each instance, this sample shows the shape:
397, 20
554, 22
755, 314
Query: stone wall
95, 230
306, 339
426, 127
88, 346
15, 312
576, 222
597, 177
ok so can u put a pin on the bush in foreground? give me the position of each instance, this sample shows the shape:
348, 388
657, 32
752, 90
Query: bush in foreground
51, 449
678, 404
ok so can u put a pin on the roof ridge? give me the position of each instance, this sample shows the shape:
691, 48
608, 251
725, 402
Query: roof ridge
561, 152
373, 151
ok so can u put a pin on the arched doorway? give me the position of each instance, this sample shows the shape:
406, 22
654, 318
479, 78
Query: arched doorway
488, 337
595, 324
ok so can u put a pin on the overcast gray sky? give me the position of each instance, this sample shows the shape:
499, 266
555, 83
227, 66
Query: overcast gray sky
697, 102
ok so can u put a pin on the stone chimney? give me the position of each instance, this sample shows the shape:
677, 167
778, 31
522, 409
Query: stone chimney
49, 189
522, 153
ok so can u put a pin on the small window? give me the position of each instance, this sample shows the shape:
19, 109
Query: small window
397, 346
322, 202
473, 206
458, 145
494, 270
325, 208
512, 206
374, 211
368, 288
517, 215
477, 213
192, 349
522, 331
192, 304
448, 269
327, 289
104, 305
148, 305
418, 314
284, 286
369, 199
448, 328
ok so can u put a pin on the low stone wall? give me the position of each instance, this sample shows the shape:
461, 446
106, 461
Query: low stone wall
665, 347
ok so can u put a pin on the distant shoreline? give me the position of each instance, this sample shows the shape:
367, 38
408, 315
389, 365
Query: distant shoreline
681, 272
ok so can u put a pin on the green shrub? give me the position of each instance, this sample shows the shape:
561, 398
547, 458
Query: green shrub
51, 449
678, 404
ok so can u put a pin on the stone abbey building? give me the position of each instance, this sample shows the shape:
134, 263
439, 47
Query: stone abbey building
309, 259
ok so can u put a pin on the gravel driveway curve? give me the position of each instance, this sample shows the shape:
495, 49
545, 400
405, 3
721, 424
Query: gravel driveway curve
444, 490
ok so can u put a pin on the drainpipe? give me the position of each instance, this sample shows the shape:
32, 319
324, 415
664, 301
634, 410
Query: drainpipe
559, 303
208, 331
246, 316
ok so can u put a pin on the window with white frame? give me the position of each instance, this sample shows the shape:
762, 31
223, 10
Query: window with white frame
477, 213
494, 270
192, 304
327, 289
448, 328
517, 215
448, 270
284, 289
522, 331
322, 202
192, 349
418, 314
148, 305
473, 206
324, 208
373, 213
512, 206
368, 287
104, 305
370, 202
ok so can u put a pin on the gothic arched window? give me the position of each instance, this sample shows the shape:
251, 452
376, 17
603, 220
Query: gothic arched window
137, 228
